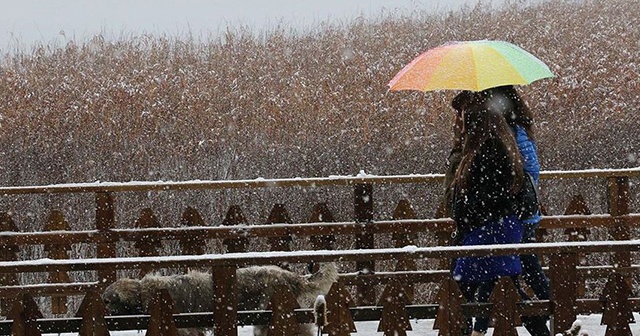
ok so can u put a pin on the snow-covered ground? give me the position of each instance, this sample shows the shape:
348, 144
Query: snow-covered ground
590, 324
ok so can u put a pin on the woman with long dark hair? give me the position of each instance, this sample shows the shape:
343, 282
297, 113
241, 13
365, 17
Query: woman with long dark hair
485, 188
507, 100
488, 178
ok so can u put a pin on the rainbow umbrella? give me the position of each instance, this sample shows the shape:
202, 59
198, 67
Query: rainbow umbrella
470, 65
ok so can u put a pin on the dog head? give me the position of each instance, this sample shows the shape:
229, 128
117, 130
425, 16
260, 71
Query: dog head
123, 297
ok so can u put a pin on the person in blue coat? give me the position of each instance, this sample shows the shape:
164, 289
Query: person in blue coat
506, 100
486, 181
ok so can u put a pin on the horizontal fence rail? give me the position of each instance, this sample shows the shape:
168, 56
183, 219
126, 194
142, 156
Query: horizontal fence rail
285, 182
274, 257
8, 238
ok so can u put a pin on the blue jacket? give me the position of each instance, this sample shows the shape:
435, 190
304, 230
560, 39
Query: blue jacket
507, 230
529, 151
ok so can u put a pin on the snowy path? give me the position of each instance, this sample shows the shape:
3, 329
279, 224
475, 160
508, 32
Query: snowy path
590, 324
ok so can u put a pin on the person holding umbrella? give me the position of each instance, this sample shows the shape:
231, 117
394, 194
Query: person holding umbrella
475, 66
507, 101
489, 176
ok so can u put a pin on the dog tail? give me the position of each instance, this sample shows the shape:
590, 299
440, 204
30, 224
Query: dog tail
323, 278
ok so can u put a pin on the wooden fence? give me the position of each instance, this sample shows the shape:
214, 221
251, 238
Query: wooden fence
279, 230
393, 312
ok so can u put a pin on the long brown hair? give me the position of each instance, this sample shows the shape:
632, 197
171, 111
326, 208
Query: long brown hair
459, 103
479, 126
517, 114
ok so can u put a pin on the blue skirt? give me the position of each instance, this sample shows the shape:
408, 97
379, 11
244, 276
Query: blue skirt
507, 230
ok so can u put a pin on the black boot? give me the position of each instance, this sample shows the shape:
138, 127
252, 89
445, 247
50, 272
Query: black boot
536, 325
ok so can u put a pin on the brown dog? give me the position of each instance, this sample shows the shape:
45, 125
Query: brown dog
193, 292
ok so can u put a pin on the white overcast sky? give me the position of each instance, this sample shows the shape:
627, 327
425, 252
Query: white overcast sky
25, 22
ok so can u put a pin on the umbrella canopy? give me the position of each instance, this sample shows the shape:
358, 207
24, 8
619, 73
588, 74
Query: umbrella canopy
470, 65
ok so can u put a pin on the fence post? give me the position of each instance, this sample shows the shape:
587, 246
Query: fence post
618, 190
443, 237
161, 309
505, 311
8, 253
339, 318
450, 319
105, 221
56, 222
279, 215
618, 311
225, 306
394, 320
564, 282
283, 318
578, 206
404, 211
363, 208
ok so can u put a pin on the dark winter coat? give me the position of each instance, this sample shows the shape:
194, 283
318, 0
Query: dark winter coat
489, 215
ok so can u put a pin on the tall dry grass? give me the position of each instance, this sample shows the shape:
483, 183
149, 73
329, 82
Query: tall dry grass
283, 104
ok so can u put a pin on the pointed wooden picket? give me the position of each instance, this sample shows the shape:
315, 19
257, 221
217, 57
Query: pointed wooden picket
618, 312
577, 206
161, 309
450, 319
24, 314
279, 215
57, 222
339, 319
235, 217
505, 313
225, 300
92, 310
283, 318
618, 191
320, 214
193, 245
149, 246
395, 319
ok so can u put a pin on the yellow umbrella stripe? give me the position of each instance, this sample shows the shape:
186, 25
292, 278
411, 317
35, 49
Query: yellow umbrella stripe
452, 71
493, 69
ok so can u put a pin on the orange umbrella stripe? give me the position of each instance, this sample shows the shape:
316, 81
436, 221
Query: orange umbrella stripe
419, 70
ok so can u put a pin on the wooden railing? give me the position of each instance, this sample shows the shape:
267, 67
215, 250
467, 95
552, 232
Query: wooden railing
616, 303
279, 230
